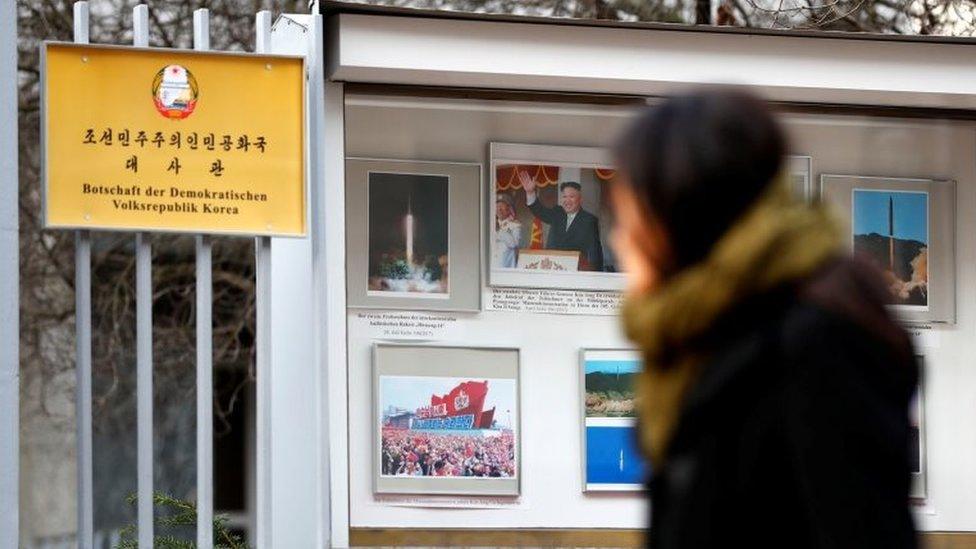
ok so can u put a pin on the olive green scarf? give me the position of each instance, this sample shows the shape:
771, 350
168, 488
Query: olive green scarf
778, 240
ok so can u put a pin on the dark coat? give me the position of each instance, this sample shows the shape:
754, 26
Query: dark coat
582, 236
796, 434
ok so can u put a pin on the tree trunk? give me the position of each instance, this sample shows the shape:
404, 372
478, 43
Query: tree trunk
703, 12
603, 10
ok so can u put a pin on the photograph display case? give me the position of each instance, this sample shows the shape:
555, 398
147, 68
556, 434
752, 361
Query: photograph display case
446, 420
579, 464
906, 227
550, 222
415, 228
612, 460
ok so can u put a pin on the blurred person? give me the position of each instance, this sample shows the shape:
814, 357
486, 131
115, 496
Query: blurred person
570, 226
774, 402
508, 233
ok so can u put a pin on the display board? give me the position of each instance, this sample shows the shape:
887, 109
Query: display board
552, 484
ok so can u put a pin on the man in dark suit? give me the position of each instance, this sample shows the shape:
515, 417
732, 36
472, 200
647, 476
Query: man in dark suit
570, 226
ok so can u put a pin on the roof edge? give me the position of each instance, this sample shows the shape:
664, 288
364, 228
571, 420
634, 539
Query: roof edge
334, 7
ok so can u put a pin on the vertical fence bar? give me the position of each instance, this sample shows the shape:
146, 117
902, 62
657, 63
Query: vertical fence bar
144, 389
83, 351
204, 259
204, 394
83, 379
144, 351
262, 260
9, 285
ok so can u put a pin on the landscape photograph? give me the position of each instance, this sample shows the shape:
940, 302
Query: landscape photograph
610, 387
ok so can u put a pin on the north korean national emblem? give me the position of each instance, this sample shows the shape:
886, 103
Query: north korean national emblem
175, 92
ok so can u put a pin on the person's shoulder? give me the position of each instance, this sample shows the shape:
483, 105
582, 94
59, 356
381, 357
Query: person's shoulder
840, 319
849, 293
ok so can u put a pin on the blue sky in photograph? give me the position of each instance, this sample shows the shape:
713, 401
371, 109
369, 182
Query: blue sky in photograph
910, 208
611, 366
412, 392
612, 456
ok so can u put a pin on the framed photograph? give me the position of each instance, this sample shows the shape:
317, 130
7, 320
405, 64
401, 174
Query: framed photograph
612, 461
800, 170
446, 420
412, 231
907, 228
550, 218
917, 415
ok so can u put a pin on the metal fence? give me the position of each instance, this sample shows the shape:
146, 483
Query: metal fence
87, 537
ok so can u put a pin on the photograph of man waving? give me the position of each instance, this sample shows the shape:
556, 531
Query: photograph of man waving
570, 226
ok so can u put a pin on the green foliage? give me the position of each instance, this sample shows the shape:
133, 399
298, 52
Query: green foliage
394, 269
622, 384
173, 515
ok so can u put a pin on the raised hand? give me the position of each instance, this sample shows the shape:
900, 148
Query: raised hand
528, 183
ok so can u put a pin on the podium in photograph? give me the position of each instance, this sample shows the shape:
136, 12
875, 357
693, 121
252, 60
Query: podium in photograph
549, 260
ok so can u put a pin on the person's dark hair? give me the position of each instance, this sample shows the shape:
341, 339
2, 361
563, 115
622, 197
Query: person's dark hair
698, 161
571, 185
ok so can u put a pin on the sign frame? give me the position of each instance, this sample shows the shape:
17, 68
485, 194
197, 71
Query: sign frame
44, 138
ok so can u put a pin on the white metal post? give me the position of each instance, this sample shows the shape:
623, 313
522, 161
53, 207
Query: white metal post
313, 267
299, 501
321, 290
9, 284
262, 260
333, 317
328, 224
144, 354
201, 42
83, 351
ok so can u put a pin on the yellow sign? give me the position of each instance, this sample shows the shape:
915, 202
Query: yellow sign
173, 140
